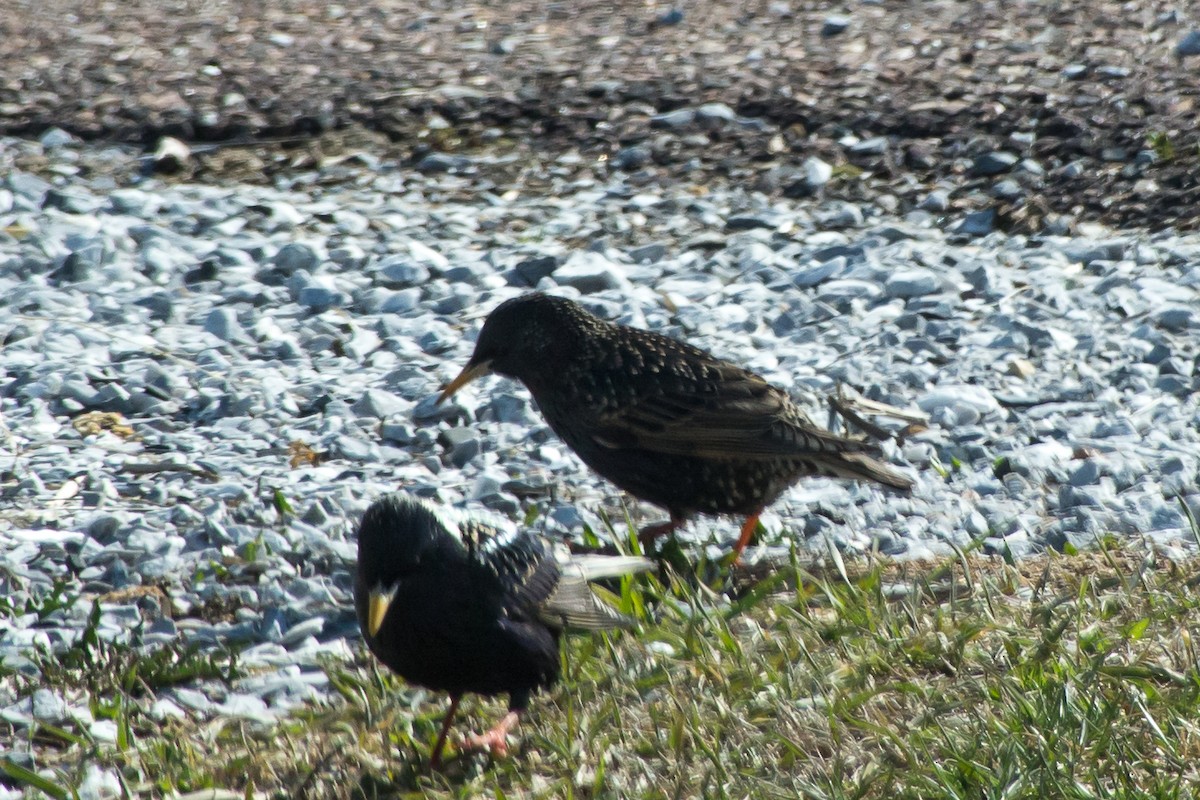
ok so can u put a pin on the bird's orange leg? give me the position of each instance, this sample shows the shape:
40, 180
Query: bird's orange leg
747, 531
495, 741
435, 760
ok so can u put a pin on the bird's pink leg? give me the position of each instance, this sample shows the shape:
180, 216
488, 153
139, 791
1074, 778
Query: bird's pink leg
495, 741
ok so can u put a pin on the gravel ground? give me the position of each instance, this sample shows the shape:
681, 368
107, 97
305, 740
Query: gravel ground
204, 379
183, 363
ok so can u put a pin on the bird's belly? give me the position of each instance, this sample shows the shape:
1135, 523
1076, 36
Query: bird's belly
426, 652
686, 485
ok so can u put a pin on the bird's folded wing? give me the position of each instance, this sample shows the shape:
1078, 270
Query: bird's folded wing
521, 570
739, 416
536, 581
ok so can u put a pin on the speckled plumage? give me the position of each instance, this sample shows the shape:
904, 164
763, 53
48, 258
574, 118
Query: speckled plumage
665, 421
473, 609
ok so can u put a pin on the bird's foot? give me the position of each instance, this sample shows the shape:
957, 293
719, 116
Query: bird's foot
651, 532
495, 741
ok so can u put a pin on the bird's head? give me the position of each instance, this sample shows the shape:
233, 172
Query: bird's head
525, 338
399, 536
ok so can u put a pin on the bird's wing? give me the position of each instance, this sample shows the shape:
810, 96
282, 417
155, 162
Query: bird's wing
520, 570
717, 411
539, 580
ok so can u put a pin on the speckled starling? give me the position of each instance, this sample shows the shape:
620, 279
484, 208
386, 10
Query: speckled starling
665, 421
470, 608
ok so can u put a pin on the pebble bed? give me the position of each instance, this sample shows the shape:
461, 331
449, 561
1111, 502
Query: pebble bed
276, 348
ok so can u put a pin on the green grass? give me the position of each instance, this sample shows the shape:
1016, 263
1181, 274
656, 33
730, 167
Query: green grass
1064, 676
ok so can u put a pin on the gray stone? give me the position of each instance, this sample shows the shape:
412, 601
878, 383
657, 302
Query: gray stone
977, 223
56, 137
72, 202
48, 706
631, 158
672, 16
99, 783
437, 163
223, 323
398, 432
1176, 318
1175, 385
590, 272
1031, 167
1008, 190
1189, 45
816, 172
848, 288
301, 631
428, 410
813, 276
680, 118
400, 271
912, 283
875, 146
134, 202
978, 400
320, 295
712, 115
834, 24
648, 254
379, 403
504, 46
532, 270
1086, 474
462, 444
937, 200
501, 503
840, 215
508, 407
401, 302
28, 188
1086, 250
296, 256
354, 449
993, 163
80, 264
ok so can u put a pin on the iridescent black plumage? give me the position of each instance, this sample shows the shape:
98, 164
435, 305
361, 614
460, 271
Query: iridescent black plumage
665, 421
473, 610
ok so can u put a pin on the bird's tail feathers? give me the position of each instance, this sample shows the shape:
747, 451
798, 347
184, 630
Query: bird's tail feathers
575, 605
862, 466
597, 567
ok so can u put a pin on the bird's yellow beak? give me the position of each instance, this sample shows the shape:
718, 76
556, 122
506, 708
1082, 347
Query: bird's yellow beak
469, 373
377, 607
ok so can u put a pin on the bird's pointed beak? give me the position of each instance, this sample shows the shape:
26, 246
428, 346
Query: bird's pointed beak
377, 607
469, 373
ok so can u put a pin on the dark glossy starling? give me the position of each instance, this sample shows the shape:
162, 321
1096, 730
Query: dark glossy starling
667, 422
470, 608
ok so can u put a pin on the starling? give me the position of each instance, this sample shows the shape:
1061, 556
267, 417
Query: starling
470, 608
665, 421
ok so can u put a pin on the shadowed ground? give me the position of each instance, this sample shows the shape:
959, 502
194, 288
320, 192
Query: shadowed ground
1084, 83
